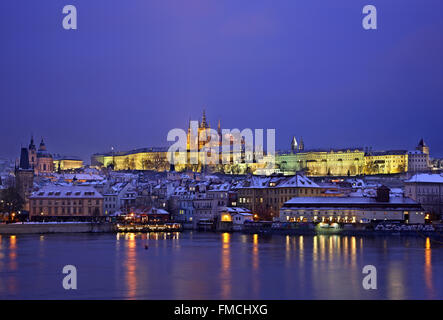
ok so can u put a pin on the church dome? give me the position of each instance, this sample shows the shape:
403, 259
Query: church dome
42, 152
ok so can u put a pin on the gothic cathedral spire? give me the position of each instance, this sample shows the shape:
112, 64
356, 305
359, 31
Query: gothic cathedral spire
294, 145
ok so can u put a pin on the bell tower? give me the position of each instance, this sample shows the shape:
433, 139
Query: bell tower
32, 154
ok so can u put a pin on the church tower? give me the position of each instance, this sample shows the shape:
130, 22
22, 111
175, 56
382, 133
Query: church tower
204, 124
32, 153
422, 146
301, 145
24, 177
294, 145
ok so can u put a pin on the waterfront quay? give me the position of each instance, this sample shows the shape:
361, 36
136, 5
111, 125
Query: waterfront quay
55, 227
259, 227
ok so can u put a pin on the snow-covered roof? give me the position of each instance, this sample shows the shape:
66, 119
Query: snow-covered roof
278, 182
56, 191
416, 152
426, 178
236, 210
298, 181
82, 176
323, 201
220, 187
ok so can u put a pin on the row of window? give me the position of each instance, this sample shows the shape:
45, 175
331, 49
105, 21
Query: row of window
326, 213
63, 210
282, 191
68, 202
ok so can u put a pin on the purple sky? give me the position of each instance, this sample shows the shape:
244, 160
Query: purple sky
136, 69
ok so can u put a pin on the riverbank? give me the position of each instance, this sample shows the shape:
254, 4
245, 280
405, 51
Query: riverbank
95, 227
56, 227
368, 233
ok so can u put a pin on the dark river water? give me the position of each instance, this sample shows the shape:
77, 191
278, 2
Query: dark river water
193, 265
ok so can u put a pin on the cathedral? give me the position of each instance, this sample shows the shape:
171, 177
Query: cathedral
297, 146
203, 130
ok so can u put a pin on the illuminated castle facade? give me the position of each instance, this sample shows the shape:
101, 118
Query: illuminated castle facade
351, 162
156, 158
313, 162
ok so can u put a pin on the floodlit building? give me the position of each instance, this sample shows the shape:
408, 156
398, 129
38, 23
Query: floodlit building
351, 162
336, 162
236, 215
139, 159
353, 209
386, 162
230, 162
62, 163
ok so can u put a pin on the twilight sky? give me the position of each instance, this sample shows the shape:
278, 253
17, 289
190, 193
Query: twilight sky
135, 69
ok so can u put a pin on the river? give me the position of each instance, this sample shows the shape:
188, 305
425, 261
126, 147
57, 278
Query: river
193, 265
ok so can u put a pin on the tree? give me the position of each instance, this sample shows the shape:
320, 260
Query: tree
159, 162
147, 164
11, 201
235, 169
132, 164
126, 164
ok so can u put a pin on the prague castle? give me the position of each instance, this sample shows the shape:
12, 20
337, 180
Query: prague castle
313, 162
353, 161
156, 158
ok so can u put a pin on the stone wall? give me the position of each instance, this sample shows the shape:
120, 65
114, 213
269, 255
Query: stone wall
18, 228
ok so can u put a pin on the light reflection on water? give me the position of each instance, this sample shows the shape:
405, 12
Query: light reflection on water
193, 265
131, 265
225, 274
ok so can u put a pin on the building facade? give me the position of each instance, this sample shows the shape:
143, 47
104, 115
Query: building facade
265, 196
427, 189
232, 162
386, 162
63, 163
68, 202
139, 159
45, 163
418, 161
352, 210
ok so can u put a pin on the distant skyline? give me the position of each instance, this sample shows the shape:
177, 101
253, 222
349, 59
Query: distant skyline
135, 70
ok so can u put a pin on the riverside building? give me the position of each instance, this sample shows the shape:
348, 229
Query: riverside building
66, 203
428, 190
353, 209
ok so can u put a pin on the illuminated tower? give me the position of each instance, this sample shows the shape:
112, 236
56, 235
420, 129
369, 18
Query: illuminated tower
294, 145
301, 145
